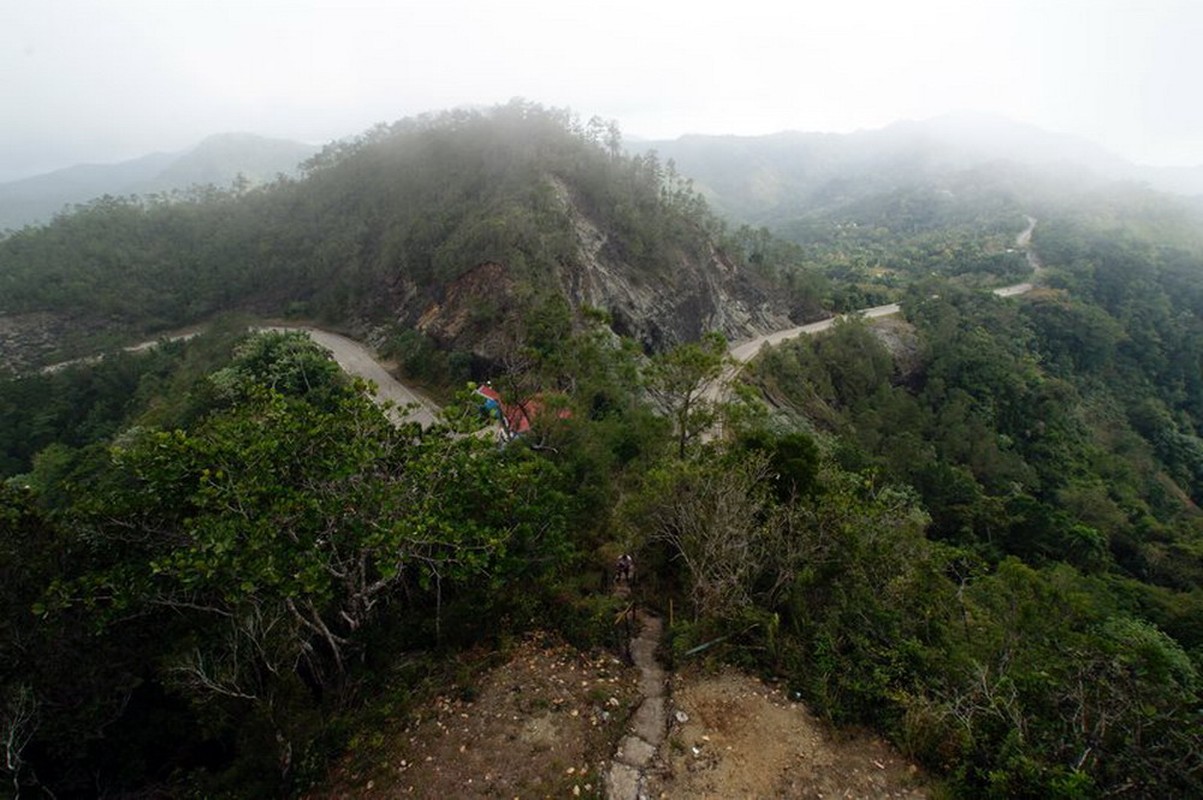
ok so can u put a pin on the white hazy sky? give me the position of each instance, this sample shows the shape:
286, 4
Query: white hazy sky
106, 80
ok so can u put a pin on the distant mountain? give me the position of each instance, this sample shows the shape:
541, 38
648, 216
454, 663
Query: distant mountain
218, 160
37, 198
774, 178
1180, 180
978, 138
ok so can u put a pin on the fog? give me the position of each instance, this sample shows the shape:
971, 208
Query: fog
106, 80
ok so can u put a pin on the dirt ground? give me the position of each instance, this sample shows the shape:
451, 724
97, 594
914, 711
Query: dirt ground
744, 739
542, 725
547, 723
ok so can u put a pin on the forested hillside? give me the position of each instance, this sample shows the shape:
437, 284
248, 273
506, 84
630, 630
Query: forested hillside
1054, 444
454, 224
974, 527
875, 210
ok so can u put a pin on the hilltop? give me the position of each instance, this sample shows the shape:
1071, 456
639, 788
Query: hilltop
456, 225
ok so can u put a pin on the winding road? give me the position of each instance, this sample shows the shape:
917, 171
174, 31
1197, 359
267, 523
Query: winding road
409, 405
745, 351
355, 359
412, 406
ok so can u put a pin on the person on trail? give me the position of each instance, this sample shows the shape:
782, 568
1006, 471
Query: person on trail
624, 570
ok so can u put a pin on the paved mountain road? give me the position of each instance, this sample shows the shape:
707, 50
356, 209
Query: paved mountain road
353, 357
356, 359
745, 351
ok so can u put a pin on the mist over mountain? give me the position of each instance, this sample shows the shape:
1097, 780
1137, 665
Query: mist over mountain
218, 160
973, 523
773, 178
755, 179
760, 463
221, 158
454, 224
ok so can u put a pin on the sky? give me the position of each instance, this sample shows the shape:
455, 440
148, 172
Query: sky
106, 80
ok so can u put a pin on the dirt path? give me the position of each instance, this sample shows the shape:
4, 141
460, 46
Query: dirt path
544, 722
733, 736
627, 774
729, 735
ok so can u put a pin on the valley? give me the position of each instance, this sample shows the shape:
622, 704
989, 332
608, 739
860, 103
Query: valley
950, 547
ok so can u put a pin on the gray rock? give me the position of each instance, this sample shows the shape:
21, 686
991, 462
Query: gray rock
635, 752
650, 721
622, 782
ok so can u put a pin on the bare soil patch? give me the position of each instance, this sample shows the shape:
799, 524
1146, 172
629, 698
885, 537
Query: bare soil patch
745, 739
544, 724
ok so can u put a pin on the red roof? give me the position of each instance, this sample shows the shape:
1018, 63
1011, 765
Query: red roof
519, 416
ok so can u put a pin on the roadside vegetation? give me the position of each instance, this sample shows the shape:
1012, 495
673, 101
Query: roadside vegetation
976, 529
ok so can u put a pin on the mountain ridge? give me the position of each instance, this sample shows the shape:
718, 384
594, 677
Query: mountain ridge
966, 139
758, 179
217, 160
454, 226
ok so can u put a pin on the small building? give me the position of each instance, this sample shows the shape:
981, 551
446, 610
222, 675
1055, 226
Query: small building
515, 419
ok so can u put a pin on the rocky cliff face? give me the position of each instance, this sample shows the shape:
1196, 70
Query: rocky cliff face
33, 340
689, 298
24, 338
457, 225
471, 313
679, 302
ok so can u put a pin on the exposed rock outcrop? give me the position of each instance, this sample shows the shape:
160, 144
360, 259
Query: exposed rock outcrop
28, 341
679, 303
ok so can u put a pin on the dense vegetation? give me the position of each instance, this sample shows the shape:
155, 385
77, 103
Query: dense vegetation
1043, 637
876, 211
976, 528
199, 597
375, 230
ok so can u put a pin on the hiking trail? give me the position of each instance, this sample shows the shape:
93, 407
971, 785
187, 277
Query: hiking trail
627, 774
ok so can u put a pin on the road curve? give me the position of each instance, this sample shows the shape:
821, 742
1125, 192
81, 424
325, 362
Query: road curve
745, 351
357, 360
350, 355
411, 406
